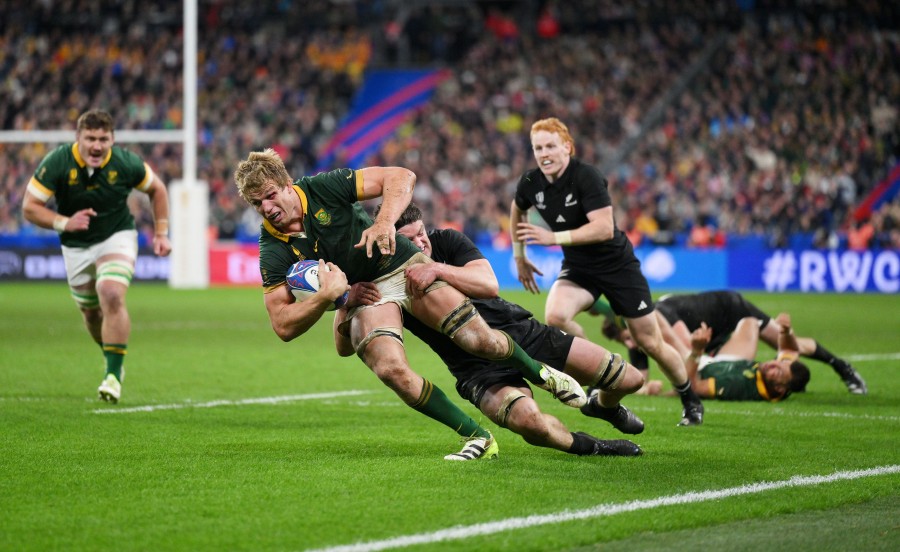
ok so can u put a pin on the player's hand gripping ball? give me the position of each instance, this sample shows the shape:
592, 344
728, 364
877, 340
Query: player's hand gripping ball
303, 281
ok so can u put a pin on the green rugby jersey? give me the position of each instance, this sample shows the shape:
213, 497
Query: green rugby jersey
735, 380
333, 222
63, 174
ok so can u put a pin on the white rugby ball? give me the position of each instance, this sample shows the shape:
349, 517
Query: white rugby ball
303, 281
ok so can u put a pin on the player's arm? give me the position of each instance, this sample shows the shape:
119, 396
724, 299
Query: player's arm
699, 340
291, 318
599, 228
341, 342
395, 186
476, 279
788, 348
524, 268
35, 211
159, 202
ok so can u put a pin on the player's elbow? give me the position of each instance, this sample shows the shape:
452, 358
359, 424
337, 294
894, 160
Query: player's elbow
344, 350
285, 333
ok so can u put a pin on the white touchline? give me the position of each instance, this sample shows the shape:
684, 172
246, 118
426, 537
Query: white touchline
873, 357
468, 531
239, 402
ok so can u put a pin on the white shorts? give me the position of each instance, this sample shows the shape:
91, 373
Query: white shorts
393, 290
81, 262
706, 359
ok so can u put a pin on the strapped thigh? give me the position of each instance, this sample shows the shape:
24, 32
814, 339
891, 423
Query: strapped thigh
506, 405
395, 333
610, 372
458, 318
115, 271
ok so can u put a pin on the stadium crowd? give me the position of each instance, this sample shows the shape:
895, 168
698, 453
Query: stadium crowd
711, 124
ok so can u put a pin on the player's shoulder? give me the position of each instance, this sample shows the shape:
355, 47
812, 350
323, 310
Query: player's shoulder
581, 170
531, 177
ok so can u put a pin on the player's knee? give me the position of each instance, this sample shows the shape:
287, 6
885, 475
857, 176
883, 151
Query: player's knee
87, 301
509, 401
612, 371
526, 419
556, 320
633, 381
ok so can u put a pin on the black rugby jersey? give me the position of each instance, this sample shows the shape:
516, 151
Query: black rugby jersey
564, 205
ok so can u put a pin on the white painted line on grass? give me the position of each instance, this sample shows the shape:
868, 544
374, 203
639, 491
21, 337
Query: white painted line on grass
873, 357
775, 411
240, 402
604, 510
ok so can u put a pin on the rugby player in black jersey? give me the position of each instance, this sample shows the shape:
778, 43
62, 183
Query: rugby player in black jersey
573, 199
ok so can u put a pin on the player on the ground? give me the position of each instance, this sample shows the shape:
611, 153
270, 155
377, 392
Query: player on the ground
319, 217
501, 393
90, 181
572, 198
734, 375
722, 310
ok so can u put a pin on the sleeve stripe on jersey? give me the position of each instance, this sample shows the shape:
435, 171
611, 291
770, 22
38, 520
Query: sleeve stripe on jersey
359, 184
148, 179
38, 190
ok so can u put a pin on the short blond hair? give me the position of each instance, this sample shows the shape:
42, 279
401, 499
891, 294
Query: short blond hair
554, 125
260, 168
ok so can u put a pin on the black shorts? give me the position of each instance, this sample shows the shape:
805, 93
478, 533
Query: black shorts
625, 288
721, 310
543, 343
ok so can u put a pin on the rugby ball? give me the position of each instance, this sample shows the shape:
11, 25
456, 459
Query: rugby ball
303, 281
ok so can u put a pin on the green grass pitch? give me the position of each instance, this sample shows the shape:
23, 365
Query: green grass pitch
228, 439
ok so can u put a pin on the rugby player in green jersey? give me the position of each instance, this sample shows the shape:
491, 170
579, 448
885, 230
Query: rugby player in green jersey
318, 217
90, 181
734, 375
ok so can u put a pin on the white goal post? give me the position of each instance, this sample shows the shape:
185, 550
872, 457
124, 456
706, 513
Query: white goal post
188, 197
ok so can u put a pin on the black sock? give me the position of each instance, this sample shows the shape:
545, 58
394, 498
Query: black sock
824, 355
599, 411
582, 444
638, 359
686, 392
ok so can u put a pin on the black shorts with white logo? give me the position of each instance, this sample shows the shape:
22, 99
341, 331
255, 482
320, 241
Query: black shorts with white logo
625, 288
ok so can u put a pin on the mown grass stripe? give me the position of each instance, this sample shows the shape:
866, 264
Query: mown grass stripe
605, 510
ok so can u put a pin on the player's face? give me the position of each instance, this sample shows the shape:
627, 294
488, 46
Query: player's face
551, 153
777, 375
280, 206
415, 231
94, 145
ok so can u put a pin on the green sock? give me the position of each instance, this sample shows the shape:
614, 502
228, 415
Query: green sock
601, 307
435, 404
115, 355
520, 360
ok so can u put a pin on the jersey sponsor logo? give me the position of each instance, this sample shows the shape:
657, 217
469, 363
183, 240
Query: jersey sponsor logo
560, 218
642, 306
323, 217
570, 201
539, 200
349, 174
